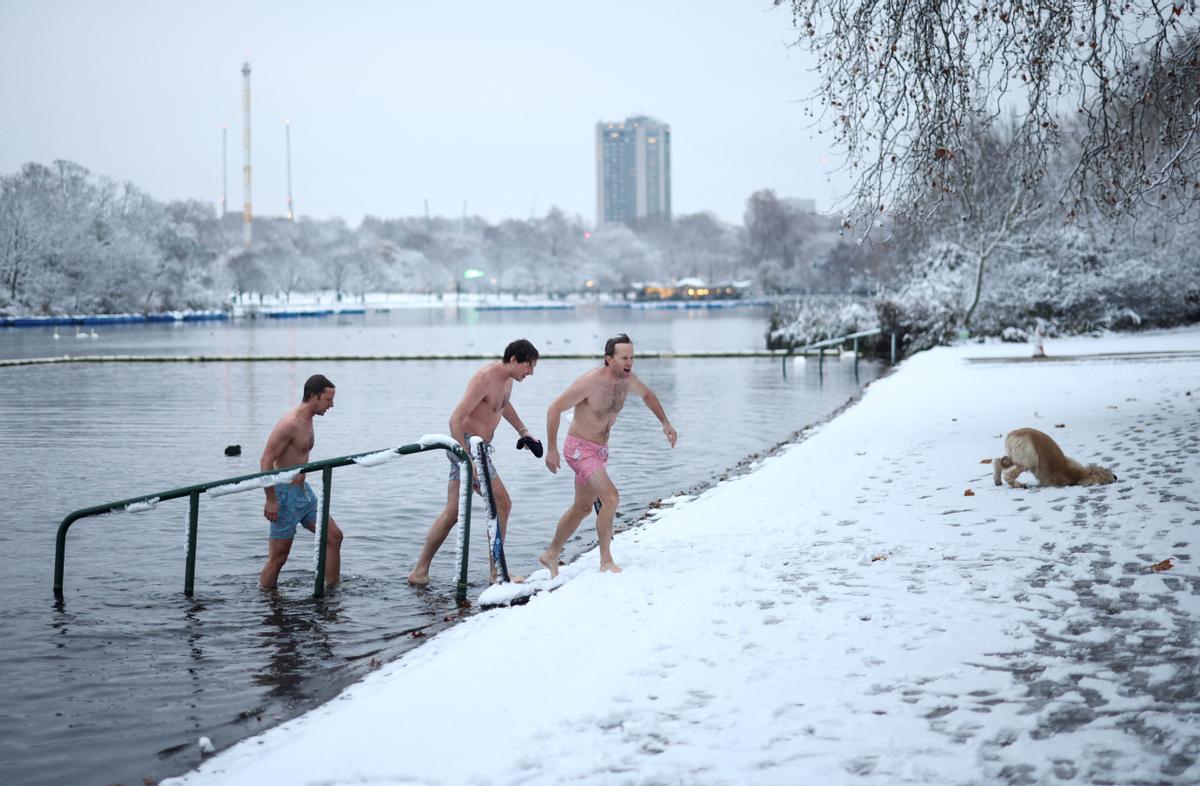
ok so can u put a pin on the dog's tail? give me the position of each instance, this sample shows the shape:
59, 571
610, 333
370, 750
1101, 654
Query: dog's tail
999, 464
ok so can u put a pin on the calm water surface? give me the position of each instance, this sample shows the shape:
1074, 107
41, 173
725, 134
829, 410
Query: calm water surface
119, 683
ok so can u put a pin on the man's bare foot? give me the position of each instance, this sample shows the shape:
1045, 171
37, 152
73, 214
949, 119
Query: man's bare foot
512, 577
609, 567
418, 579
551, 563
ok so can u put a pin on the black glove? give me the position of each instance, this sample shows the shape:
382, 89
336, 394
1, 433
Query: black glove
535, 447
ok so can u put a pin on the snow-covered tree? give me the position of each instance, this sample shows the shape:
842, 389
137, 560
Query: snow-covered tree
617, 258
902, 80
774, 229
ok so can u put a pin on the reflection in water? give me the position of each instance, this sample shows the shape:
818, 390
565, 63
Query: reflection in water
60, 622
295, 641
194, 625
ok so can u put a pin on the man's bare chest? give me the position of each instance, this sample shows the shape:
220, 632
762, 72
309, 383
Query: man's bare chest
494, 398
300, 445
608, 400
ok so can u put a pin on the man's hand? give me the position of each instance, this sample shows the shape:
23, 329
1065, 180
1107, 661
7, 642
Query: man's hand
669, 430
552, 462
271, 510
534, 446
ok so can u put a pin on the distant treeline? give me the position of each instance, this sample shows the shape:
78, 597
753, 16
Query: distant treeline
73, 242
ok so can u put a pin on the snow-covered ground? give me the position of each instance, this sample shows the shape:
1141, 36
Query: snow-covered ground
845, 613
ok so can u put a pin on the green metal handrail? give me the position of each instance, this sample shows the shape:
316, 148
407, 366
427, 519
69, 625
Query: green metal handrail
246, 483
836, 342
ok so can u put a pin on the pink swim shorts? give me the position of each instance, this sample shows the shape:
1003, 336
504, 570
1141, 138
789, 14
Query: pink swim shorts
584, 457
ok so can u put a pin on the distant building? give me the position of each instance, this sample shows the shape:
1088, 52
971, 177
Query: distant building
633, 171
690, 288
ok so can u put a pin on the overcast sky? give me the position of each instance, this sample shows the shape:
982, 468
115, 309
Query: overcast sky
391, 103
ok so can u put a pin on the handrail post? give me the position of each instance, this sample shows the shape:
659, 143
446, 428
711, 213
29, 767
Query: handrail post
786, 356
60, 555
893, 347
189, 574
326, 482
820, 364
460, 594
856, 358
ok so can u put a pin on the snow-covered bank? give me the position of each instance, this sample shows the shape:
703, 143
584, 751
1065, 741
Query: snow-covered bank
843, 614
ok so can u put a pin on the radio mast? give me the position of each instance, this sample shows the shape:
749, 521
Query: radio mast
291, 210
246, 213
224, 169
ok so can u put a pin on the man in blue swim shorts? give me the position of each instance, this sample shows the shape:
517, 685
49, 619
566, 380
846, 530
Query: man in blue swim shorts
297, 505
294, 503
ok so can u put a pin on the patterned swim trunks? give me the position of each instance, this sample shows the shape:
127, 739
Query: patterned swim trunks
584, 457
297, 505
456, 472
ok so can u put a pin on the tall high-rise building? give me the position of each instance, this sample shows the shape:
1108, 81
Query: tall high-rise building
633, 171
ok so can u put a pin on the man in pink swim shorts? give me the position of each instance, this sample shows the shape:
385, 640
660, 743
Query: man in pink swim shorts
584, 457
597, 398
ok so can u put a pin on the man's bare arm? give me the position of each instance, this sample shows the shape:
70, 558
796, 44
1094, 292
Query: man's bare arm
281, 437
570, 397
509, 413
655, 406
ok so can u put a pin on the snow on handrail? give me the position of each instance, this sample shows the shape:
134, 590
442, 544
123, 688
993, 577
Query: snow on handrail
262, 481
829, 342
377, 458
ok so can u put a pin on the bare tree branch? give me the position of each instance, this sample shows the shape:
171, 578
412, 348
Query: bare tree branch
903, 82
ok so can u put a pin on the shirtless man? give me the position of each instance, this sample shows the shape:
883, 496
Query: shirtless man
487, 399
597, 397
289, 504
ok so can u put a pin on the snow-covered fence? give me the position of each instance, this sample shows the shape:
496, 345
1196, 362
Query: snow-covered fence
259, 480
820, 346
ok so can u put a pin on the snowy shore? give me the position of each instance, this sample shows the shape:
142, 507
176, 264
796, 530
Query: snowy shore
845, 613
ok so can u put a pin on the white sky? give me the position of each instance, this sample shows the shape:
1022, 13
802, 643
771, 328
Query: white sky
492, 104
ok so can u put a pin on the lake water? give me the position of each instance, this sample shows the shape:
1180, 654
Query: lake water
118, 683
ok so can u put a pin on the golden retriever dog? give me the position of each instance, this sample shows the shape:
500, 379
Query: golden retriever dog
1030, 449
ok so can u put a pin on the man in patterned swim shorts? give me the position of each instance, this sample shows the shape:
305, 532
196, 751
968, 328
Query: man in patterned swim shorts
597, 398
294, 503
487, 399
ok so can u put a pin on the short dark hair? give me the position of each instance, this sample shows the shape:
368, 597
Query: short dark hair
522, 350
316, 385
610, 346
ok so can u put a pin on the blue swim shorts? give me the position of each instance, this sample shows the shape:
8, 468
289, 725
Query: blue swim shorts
297, 505
455, 472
